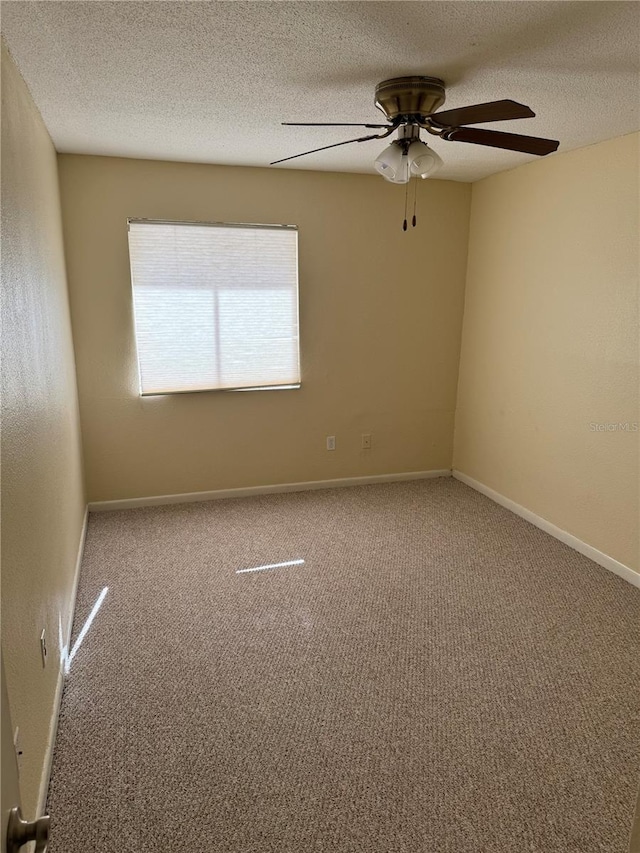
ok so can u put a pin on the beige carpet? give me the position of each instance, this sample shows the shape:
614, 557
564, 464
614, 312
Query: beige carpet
438, 676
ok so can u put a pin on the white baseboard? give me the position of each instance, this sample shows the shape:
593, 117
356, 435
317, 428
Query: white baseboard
219, 494
55, 712
589, 551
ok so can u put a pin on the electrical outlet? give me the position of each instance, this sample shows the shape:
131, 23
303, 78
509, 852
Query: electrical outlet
17, 745
331, 442
43, 647
366, 441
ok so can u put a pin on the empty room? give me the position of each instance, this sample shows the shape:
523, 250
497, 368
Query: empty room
320, 426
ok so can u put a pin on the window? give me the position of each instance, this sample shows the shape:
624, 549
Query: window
216, 306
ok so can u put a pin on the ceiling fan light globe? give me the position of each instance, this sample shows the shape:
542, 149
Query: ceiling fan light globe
403, 174
393, 165
424, 161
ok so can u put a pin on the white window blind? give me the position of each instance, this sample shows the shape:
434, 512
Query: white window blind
216, 306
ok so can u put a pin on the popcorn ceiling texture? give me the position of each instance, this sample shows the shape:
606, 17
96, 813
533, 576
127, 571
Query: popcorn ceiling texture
438, 677
211, 81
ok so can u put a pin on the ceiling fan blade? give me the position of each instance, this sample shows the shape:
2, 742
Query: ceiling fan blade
329, 124
478, 113
509, 141
335, 145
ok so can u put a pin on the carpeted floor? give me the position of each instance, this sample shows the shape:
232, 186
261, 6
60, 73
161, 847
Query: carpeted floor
438, 676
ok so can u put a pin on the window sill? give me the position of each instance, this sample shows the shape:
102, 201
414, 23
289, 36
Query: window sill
220, 390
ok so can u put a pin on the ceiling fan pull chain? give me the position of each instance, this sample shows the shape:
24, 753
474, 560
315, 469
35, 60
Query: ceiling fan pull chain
415, 201
406, 197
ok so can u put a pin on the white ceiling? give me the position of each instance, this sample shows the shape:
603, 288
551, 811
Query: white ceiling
210, 81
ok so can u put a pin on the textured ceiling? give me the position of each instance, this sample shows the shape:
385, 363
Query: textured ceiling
210, 81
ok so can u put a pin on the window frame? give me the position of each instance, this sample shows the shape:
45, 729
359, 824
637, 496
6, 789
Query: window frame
240, 225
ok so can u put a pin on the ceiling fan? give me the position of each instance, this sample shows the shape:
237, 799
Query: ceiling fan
410, 105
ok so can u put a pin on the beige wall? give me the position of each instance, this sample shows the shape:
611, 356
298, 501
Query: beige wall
42, 492
380, 315
550, 342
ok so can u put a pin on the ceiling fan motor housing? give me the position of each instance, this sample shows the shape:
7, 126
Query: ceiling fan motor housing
402, 97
